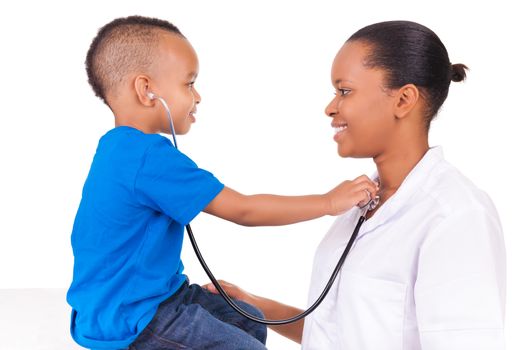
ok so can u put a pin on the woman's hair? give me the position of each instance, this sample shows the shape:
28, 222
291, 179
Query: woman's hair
410, 53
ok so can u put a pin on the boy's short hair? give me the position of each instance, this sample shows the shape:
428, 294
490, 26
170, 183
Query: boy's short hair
123, 46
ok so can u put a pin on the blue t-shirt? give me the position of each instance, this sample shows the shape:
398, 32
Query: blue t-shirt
127, 237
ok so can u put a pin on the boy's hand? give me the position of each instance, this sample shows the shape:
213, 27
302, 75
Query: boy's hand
270, 210
351, 193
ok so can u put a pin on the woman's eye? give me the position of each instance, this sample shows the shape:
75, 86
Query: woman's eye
343, 92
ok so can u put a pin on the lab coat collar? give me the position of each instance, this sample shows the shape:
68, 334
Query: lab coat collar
410, 186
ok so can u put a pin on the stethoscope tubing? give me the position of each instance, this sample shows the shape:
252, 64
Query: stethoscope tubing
283, 321
227, 298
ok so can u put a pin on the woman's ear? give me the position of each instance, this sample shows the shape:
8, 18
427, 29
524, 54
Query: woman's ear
142, 85
406, 99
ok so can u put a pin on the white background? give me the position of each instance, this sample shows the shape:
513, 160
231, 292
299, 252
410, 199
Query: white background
264, 81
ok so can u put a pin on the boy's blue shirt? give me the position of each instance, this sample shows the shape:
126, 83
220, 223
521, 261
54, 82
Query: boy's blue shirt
128, 233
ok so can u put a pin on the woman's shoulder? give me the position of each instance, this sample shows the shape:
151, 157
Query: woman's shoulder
455, 192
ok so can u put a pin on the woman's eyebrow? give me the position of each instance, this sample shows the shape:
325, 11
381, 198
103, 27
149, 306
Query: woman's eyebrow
338, 81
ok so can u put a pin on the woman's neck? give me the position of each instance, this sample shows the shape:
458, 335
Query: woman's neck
394, 166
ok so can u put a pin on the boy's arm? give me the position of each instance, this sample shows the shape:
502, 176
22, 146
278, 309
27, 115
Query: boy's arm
270, 210
272, 310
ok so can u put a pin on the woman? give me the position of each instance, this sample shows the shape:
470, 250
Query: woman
427, 270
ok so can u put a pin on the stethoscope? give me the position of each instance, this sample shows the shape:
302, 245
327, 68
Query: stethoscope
370, 205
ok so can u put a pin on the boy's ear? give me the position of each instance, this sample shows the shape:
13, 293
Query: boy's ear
406, 99
142, 84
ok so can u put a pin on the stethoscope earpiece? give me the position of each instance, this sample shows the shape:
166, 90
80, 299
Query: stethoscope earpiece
152, 96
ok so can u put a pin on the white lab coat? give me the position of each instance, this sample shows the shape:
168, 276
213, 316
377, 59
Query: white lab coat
427, 271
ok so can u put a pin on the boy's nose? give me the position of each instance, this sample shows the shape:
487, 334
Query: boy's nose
197, 96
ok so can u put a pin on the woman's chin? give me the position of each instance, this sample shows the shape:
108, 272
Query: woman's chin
346, 152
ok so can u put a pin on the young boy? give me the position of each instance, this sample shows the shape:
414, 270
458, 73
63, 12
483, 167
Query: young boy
128, 289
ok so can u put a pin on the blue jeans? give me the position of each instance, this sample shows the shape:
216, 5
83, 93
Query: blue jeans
194, 318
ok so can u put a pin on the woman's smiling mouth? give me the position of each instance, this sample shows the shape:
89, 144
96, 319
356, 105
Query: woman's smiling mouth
339, 127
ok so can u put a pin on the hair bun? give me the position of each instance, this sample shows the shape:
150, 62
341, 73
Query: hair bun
459, 72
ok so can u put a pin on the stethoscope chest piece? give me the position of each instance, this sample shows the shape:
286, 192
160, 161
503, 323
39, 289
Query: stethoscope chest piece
374, 202
371, 204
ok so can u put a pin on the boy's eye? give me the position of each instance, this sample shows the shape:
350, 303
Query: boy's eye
190, 85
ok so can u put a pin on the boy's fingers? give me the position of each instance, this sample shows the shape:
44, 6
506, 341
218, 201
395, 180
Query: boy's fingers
365, 186
364, 197
361, 179
364, 178
365, 193
372, 186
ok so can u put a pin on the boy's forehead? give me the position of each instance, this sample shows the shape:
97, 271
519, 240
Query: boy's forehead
177, 50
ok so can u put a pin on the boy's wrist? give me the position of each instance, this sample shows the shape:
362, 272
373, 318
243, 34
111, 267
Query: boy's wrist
327, 203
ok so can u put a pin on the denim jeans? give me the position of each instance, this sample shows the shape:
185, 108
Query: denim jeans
194, 318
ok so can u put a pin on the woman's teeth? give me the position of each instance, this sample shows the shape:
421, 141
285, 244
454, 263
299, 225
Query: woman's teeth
338, 129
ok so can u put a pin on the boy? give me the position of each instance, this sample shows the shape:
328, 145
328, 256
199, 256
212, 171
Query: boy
128, 289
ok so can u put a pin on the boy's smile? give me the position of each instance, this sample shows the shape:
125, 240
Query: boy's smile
171, 76
173, 79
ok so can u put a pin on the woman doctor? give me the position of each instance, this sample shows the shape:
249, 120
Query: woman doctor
427, 270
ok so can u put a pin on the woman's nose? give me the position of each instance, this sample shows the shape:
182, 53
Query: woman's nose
331, 109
